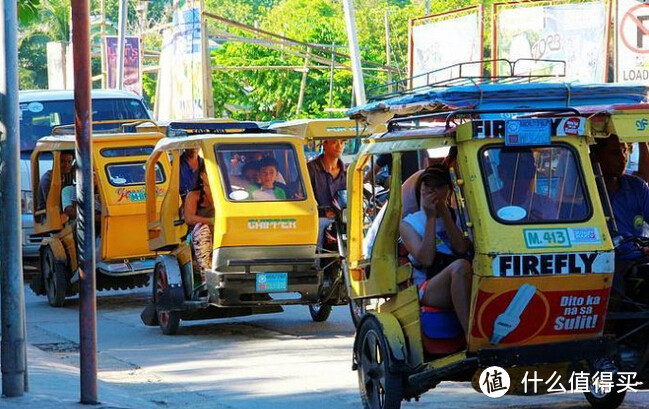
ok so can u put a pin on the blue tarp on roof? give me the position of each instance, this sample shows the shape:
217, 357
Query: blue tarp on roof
502, 96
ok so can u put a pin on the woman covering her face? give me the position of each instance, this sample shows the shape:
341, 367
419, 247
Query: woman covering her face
436, 245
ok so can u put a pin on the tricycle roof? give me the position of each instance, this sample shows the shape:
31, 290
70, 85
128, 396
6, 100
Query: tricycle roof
326, 128
499, 96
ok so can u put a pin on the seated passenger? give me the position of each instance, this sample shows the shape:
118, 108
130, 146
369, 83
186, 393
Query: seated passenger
190, 165
268, 188
436, 245
629, 195
250, 172
66, 161
199, 216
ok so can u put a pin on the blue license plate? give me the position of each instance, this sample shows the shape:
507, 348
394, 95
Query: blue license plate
271, 282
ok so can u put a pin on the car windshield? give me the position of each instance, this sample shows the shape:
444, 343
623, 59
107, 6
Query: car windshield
534, 185
37, 118
129, 174
263, 172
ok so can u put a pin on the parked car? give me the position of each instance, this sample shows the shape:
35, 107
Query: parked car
40, 112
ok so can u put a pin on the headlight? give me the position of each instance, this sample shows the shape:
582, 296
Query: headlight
26, 201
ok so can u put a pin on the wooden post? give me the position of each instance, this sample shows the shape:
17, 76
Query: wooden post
300, 99
388, 50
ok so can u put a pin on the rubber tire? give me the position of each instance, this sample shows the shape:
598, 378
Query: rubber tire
167, 321
319, 312
357, 308
379, 387
611, 400
53, 278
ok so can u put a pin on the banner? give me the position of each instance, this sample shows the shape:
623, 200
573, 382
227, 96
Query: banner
181, 91
442, 40
132, 63
632, 41
574, 33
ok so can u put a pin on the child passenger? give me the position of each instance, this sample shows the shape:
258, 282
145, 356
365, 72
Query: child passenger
267, 188
436, 245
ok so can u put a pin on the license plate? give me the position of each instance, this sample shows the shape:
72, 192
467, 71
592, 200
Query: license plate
271, 282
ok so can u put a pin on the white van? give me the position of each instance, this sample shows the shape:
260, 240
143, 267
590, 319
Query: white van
42, 110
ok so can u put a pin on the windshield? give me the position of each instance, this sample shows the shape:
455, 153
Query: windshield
38, 118
129, 174
263, 172
534, 185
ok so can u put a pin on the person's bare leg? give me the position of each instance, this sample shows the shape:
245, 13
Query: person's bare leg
451, 289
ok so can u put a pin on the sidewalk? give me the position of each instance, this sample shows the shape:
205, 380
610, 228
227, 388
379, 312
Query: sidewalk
54, 384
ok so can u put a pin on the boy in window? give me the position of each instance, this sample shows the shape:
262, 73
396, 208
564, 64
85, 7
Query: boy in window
267, 189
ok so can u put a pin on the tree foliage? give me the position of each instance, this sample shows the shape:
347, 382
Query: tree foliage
261, 94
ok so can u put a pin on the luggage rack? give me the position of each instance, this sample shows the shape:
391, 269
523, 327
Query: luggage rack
450, 116
185, 128
460, 78
98, 127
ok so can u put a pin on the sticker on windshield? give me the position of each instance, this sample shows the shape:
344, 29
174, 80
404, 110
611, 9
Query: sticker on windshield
35, 107
511, 213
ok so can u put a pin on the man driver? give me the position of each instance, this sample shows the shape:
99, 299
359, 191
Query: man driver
629, 195
66, 161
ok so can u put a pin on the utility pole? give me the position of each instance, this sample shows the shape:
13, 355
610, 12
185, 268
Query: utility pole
86, 216
13, 350
354, 52
300, 98
427, 7
123, 16
388, 49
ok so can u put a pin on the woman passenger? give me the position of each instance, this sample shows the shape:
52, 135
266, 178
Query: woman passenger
436, 245
199, 216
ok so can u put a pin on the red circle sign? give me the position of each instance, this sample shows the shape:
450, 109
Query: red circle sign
639, 27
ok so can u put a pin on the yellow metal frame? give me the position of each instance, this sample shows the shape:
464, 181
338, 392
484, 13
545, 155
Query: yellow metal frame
123, 219
232, 218
385, 279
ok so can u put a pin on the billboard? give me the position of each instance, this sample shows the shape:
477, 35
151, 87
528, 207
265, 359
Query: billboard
184, 76
442, 40
632, 41
132, 63
574, 33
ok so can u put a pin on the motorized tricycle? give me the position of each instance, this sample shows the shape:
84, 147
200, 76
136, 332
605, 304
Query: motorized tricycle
542, 261
263, 249
124, 260
314, 132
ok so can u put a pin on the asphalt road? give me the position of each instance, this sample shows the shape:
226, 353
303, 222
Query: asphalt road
269, 361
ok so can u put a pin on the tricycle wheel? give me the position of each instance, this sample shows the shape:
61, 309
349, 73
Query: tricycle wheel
380, 388
169, 321
319, 312
357, 308
599, 399
54, 278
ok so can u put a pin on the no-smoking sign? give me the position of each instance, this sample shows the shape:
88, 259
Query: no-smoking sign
634, 29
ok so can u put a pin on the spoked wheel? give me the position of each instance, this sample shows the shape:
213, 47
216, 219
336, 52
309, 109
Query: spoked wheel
54, 278
319, 312
600, 399
169, 321
380, 388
